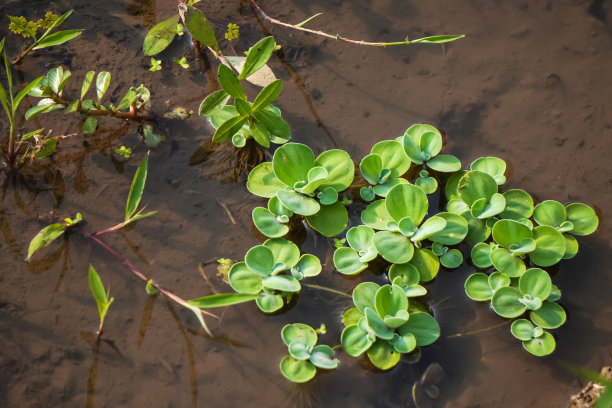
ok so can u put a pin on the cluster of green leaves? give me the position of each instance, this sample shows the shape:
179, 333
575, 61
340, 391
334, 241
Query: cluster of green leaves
233, 32
50, 89
19, 25
305, 356
385, 325
244, 120
297, 183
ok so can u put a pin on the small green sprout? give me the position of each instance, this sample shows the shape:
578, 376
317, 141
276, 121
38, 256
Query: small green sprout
182, 62
155, 65
322, 329
223, 269
71, 222
339, 243
178, 30
126, 152
101, 297
233, 32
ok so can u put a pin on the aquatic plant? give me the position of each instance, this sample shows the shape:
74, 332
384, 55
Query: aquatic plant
305, 355
382, 325
297, 183
101, 297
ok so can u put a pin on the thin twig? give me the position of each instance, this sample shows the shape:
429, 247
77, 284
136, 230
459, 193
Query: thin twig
229, 214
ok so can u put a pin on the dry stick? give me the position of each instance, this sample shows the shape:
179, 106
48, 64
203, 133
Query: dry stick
477, 331
229, 214
321, 33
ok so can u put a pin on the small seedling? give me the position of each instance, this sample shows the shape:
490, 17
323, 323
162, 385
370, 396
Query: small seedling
182, 62
155, 65
101, 297
126, 152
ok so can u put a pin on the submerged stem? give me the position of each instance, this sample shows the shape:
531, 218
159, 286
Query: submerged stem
337, 292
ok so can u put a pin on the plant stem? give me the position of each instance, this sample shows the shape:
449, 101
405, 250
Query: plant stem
24, 53
478, 331
337, 292
130, 115
11, 146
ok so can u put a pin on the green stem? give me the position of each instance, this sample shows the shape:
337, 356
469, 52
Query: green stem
26, 52
478, 331
337, 292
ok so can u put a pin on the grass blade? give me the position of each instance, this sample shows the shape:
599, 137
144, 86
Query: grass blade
220, 300
307, 20
45, 237
137, 188
57, 38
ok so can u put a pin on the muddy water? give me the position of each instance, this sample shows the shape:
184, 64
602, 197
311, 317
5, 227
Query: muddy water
529, 84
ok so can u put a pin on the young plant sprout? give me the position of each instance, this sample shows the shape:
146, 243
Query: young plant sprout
101, 296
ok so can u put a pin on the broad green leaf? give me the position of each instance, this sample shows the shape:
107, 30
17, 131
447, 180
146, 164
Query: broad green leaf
450, 190
228, 129
308, 265
454, 232
522, 329
391, 301
213, 102
321, 357
355, 341
230, 83
550, 246
360, 237
408, 274
509, 232
393, 157
97, 290
57, 38
482, 209
269, 303
535, 282
299, 332
493, 166
258, 56
481, 255
128, 99
540, 346
550, 316
571, 246
102, 83
505, 262
292, 162
298, 203
330, 220
393, 247
383, 355
278, 128
423, 327
370, 168
505, 302
298, 371
90, 124
475, 185
437, 39
377, 325
45, 237
477, 287
268, 223
263, 182
221, 300
383, 189
138, 184
551, 213
519, 205
340, 169
87, 83
267, 95
364, 295
282, 283
160, 36
445, 163
198, 26
376, 215
583, 217
413, 141
277, 208
351, 316
452, 259
348, 262
260, 259
283, 251
264, 76
244, 280
404, 344
407, 200
427, 264
431, 226
498, 280
428, 184
299, 351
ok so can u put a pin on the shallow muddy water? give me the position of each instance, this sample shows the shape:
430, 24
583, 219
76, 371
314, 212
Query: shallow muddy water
530, 83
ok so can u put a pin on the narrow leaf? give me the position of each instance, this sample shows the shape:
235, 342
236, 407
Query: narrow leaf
87, 83
437, 39
198, 26
25, 91
228, 129
90, 125
57, 23
137, 188
102, 83
128, 99
230, 83
57, 38
267, 95
213, 102
258, 56
97, 288
45, 237
223, 299
160, 36
307, 20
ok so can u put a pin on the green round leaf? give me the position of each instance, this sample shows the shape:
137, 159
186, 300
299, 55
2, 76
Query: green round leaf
519, 205
535, 282
423, 327
328, 196
309, 265
504, 262
550, 246
269, 303
482, 209
393, 157
505, 302
263, 182
407, 200
540, 346
389, 301
383, 189
268, 224
478, 230
498, 280
283, 251
282, 283
298, 371
370, 168
364, 294
393, 247
431, 226
415, 143
445, 163
404, 344
454, 232
377, 324
383, 355
452, 184
244, 280
571, 246
452, 259
555, 294
298, 203
583, 217
360, 238
475, 185
321, 357
351, 316
551, 213
429, 185
277, 208
509, 232
427, 264
340, 167
522, 329
299, 332
260, 259
348, 262
292, 162
299, 350
408, 273
550, 316
367, 193
160, 36
376, 215
330, 221
355, 341
481, 255
493, 166
477, 287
